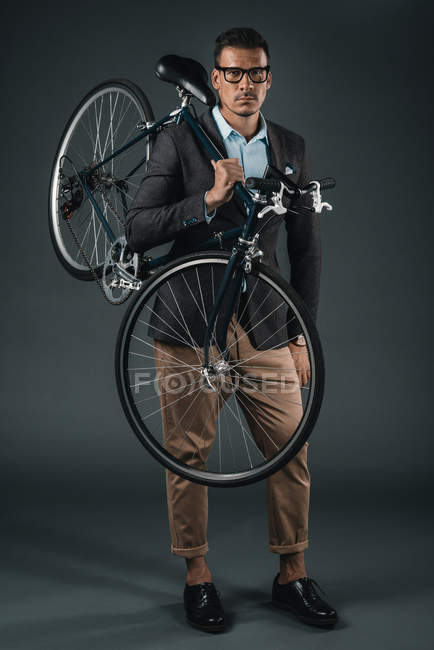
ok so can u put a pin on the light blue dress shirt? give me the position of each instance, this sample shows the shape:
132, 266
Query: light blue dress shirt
253, 155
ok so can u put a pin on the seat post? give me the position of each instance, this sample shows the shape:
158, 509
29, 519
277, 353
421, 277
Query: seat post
186, 97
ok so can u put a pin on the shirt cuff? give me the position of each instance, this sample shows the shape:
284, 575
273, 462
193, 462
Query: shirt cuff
208, 217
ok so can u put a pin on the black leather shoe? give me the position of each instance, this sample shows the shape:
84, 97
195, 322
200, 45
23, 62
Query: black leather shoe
203, 608
302, 599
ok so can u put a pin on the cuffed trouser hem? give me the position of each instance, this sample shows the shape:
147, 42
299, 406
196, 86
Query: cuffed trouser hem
291, 548
192, 551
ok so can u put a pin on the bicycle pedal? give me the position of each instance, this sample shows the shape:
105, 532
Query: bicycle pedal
126, 284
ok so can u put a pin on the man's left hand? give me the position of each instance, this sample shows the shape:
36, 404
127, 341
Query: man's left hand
301, 362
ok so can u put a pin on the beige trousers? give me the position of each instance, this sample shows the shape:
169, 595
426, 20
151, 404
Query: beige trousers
271, 417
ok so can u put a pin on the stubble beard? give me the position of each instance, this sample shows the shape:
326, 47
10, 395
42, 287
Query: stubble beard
246, 112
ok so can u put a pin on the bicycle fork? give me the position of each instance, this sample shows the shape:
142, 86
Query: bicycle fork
233, 282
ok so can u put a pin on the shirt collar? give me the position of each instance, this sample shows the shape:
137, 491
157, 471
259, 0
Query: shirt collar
226, 130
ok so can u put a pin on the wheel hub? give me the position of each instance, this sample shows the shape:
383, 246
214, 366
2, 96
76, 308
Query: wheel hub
93, 179
214, 370
221, 367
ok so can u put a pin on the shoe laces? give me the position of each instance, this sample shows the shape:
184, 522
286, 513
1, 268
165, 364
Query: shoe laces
209, 595
310, 583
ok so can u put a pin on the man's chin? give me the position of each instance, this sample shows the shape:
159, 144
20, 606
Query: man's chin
244, 111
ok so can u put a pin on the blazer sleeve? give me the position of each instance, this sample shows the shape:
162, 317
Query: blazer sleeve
304, 243
160, 209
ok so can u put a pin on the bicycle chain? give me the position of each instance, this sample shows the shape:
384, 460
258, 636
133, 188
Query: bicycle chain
85, 257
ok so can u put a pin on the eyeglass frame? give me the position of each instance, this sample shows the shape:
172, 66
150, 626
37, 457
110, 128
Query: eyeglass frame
244, 71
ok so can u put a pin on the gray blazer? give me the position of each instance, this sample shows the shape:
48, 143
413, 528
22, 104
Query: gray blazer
169, 206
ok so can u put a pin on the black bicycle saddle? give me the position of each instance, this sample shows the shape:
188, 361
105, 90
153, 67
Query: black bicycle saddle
187, 73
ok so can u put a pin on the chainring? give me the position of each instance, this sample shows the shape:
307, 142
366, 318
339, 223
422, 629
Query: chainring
119, 254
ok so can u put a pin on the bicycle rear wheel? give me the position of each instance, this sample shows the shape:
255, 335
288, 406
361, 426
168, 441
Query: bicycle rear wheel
251, 416
104, 121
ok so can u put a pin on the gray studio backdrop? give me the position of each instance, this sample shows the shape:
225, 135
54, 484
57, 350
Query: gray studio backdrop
350, 78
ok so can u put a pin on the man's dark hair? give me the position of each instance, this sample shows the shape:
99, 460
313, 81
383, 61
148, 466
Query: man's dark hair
245, 37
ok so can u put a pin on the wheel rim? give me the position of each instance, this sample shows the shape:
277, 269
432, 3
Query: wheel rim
105, 121
149, 393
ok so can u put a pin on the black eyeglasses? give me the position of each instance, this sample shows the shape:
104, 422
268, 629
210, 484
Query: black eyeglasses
234, 75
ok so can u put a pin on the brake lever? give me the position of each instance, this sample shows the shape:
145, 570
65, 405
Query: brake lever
277, 205
318, 204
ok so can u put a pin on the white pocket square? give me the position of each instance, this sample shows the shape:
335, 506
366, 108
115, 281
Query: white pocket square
288, 170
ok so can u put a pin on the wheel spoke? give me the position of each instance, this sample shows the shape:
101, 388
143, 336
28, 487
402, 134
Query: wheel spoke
245, 432
165, 353
274, 347
186, 328
251, 382
260, 323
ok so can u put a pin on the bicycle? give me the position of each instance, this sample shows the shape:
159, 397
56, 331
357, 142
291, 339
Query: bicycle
97, 163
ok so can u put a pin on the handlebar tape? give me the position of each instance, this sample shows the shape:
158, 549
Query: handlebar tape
327, 183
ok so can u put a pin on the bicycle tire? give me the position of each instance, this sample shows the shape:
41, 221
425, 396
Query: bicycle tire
81, 271
148, 440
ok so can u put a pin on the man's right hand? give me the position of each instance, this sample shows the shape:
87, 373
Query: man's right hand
226, 173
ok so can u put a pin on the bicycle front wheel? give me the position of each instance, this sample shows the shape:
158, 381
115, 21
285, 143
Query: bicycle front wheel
104, 121
248, 416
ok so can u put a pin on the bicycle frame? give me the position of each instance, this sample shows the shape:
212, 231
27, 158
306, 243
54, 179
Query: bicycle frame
243, 233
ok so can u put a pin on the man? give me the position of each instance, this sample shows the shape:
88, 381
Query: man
182, 182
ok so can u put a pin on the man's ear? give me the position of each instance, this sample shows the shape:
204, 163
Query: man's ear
215, 79
269, 80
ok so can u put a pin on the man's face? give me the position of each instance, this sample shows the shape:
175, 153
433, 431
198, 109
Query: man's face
245, 97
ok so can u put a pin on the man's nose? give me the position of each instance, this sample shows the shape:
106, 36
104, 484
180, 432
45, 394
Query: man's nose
246, 83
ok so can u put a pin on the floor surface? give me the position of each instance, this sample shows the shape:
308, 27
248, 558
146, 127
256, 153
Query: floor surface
100, 576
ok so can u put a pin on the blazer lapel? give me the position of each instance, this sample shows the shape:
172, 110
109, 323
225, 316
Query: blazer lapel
276, 152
